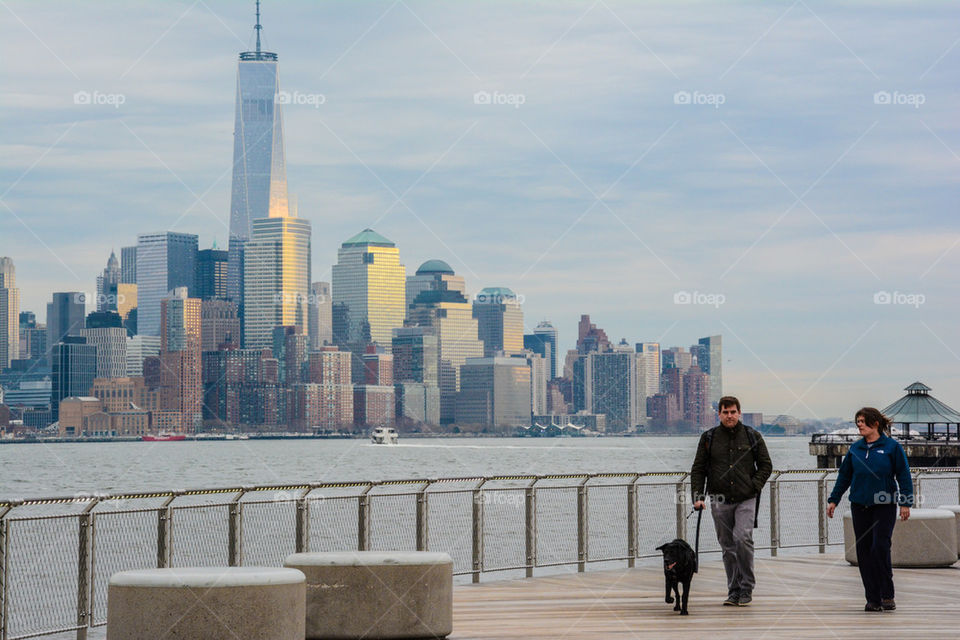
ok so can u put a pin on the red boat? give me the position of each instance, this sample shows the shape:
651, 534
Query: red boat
164, 437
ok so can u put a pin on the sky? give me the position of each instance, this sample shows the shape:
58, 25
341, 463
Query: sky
782, 174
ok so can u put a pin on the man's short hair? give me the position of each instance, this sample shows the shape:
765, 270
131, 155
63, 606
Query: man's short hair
728, 401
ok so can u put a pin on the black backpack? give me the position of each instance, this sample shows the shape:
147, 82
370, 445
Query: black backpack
752, 436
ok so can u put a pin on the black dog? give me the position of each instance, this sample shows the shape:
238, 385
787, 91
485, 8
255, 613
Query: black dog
679, 564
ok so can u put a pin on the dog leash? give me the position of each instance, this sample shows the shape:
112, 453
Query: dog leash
696, 549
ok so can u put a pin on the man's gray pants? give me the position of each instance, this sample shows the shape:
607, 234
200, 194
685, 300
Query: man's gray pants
734, 525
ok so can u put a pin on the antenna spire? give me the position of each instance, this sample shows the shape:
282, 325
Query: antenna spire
258, 27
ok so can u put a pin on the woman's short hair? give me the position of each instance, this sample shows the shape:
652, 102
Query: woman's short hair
873, 416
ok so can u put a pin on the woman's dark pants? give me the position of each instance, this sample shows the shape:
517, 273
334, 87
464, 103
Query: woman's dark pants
873, 527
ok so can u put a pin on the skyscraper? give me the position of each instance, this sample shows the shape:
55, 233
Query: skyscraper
66, 315
9, 313
450, 316
433, 275
107, 285
259, 166
368, 281
211, 274
181, 387
320, 319
650, 354
165, 261
499, 321
276, 280
128, 265
710, 359
73, 368
548, 333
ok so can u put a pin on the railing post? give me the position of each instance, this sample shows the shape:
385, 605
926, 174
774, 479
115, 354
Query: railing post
681, 508
363, 519
302, 535
822, 511
583, 531
477, 518
530, 524
774, 515
633, 523
423, 533
4, 568
234, 531
164, 532
918, 489
84, 569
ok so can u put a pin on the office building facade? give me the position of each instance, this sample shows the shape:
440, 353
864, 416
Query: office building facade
165, 261
499, 321
9, 313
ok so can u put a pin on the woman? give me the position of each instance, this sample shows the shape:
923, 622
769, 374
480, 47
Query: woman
874, 468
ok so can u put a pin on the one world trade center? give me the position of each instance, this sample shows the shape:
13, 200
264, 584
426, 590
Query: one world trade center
259, 166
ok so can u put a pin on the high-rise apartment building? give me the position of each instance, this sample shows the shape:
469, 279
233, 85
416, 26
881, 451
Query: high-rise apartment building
165, 261
319, 315
9, 313
368, 288
181, 386
650, 354
697, 409
276, 280
66, 315
219, 324
499, 321
107, 283
111, 344
259, 164
450, 317
211, 275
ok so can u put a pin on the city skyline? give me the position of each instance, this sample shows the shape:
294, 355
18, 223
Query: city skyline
789, 170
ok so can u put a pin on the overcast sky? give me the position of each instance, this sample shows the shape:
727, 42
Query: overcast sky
784, 164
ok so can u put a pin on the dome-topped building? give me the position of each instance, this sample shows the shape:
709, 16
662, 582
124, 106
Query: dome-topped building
433, 275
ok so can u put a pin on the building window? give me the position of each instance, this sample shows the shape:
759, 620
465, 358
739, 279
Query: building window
368, 258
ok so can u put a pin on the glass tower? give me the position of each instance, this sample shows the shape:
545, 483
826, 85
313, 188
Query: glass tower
9, 313
711, 363
259, 167
165, 261
369, 288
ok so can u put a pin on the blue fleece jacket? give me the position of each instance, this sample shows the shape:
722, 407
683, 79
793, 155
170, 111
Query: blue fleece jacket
873, 472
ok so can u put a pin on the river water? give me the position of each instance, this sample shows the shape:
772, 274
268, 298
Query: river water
64, 469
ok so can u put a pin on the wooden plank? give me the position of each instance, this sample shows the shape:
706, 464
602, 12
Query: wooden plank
811, 596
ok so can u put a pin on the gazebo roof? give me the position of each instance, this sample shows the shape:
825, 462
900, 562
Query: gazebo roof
919, 407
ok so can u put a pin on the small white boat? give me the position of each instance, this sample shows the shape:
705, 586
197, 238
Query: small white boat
384, 435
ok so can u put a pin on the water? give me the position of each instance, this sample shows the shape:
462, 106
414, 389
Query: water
64, 469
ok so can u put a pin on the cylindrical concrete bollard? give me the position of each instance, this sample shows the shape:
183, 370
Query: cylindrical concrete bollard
955, 508
214, 603
927, 539
377, 594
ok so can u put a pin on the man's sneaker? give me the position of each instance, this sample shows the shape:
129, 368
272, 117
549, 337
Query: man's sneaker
745, 599
732, 600
888, 604
873, 606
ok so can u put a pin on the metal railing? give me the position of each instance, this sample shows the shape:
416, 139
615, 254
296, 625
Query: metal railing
57, 554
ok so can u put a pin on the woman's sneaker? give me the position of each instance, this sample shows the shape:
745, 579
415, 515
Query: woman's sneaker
873, 606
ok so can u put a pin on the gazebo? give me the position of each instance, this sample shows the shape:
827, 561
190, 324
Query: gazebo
919, 407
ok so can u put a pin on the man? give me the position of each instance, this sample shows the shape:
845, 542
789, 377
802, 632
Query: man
732, 459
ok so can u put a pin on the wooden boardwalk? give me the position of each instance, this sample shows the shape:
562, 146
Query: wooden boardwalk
810, 596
